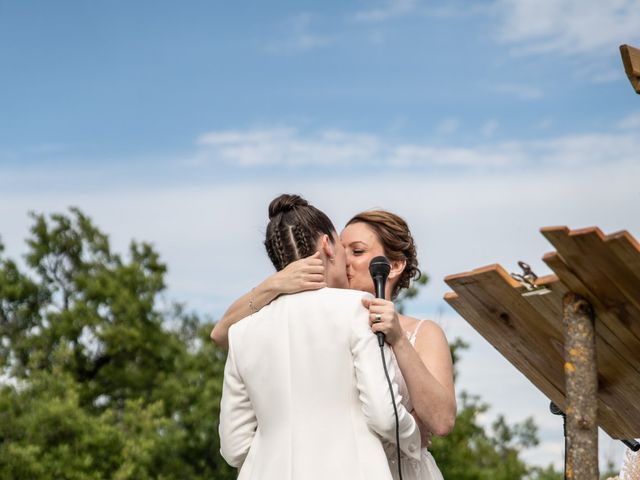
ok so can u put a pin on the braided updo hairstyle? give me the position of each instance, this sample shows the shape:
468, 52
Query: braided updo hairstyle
396, 239
294, 229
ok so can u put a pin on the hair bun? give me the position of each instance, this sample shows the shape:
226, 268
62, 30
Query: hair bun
285, 203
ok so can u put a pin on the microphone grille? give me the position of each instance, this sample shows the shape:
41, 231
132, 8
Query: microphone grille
379, 266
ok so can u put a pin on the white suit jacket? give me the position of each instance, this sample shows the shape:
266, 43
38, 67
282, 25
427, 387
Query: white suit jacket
304, 391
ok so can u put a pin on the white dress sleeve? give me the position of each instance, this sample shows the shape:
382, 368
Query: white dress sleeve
374, 391
238, 422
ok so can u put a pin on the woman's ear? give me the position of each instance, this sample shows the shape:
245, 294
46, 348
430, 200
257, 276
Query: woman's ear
397, 267
326, 247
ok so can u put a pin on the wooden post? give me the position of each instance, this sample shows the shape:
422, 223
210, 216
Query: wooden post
581, 389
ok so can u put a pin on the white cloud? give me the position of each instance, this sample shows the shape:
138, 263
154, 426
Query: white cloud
385, 11
631, 122
489, 128
287, 147
544, 124
523, 92
606, 76
606, 68
390, 9
588, 149
227, 137
448, 126
299, 37
376, 37
484, 158
568, 26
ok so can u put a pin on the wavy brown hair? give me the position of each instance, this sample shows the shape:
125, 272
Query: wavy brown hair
396, 239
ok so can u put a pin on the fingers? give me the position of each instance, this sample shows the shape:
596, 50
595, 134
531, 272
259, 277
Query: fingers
380, 317
383, 318
312, 264
386, 311
313, 260
366, 301
303, 274
313, 270
314, 285
380, 302
312, 273
380, 321
379, 327
391, 333
379, 306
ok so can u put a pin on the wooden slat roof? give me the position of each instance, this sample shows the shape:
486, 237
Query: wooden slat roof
526, 327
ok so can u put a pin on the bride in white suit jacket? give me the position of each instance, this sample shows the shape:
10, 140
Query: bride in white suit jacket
420, 348
304, 390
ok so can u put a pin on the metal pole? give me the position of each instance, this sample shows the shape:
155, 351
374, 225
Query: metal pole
555, 409
581, 380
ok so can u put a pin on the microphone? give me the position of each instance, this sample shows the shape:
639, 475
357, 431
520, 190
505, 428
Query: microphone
379, 269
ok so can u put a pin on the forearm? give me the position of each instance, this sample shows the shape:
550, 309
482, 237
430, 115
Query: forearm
304, 274
247, 304
433, 402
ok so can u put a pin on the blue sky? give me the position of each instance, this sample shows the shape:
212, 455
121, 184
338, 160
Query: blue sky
177, 122
122, 81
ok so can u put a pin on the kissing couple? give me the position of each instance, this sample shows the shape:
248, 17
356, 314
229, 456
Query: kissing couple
305, 395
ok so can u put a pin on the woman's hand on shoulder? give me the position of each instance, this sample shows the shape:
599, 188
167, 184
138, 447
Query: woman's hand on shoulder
304, 274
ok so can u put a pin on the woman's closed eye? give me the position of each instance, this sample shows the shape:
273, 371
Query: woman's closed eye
357, 251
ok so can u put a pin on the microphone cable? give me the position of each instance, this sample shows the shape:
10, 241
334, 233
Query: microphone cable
393, 401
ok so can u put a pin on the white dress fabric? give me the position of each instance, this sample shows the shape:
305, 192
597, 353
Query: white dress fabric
412, 469
631, 467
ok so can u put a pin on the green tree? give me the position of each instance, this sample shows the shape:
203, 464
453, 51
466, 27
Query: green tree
102, 381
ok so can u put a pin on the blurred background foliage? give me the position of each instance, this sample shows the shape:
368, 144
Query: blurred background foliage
102, 378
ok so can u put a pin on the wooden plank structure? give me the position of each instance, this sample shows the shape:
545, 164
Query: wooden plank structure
631, 62
524, 322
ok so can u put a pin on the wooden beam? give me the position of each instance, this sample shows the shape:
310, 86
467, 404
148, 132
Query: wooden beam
525, 324
631, 62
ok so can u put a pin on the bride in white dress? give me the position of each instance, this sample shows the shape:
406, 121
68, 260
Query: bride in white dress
426, 468
630, 466
420, 348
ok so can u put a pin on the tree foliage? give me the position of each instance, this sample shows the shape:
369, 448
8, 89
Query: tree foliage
102, 380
